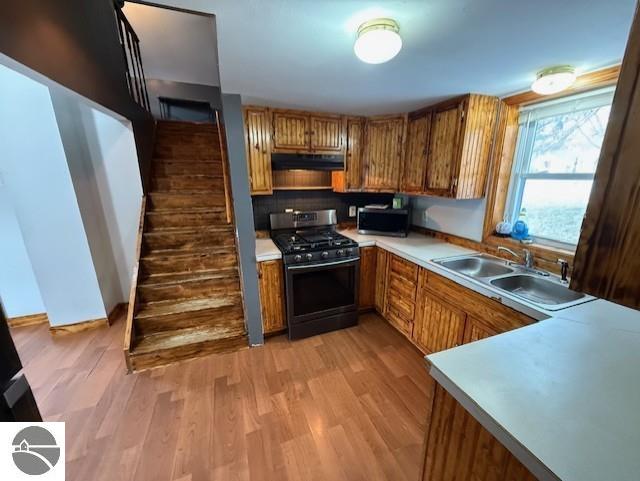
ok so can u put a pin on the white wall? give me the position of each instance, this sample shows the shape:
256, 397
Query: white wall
19, 290
463, 218
34, 169
102, 160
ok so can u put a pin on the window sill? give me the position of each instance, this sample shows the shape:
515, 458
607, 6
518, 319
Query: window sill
545, 257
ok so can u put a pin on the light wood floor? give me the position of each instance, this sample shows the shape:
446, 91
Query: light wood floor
348, 405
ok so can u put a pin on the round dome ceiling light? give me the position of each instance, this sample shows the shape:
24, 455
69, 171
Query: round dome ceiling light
378, 40
554, 79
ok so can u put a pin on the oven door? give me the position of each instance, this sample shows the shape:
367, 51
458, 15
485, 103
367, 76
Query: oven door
322, 290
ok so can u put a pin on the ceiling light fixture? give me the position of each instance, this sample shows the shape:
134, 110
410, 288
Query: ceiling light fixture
378, 40
554, 79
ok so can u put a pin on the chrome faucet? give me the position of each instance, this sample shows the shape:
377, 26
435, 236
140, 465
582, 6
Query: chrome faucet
527, 259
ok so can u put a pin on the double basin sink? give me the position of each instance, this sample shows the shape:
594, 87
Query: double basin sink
539, 289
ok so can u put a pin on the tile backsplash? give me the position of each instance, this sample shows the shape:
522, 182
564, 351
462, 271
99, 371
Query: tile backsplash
311, 200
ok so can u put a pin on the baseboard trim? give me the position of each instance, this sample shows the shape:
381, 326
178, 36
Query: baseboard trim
91, 324
79, 327
30, 320
118, 310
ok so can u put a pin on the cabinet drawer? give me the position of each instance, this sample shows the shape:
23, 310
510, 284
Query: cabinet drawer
404, 269
402, 287
404, 306
400, 322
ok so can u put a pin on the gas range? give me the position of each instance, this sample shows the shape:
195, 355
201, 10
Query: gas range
310, 237
321, 272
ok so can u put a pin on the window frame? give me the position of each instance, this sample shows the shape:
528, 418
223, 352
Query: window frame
523, 153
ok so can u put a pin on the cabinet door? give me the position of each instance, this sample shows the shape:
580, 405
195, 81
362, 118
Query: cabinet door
439, 325
607, 258
353, 159
327, 133
368, 258
258, 144
271, 279
443, 151
415, 159
382, 258
290, 131
383, 153
475, 330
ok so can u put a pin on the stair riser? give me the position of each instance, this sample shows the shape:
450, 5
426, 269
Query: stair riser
186, 152
156, 220
170, 184
190, 264
140, 362
178, 167
188, 290
186, 241
223, 316
161, 200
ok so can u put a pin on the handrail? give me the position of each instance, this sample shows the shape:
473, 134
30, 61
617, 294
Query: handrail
129, 332
136, 81
225, 174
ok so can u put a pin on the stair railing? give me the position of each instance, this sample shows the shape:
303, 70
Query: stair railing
225, 172
130, 43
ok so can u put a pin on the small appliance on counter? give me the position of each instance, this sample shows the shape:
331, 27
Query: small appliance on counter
390, 222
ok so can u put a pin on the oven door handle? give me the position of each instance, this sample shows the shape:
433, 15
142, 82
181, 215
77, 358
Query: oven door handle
327, 264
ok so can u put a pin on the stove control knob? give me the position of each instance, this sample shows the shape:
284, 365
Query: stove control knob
309, 257
340, 252
324, 255
297, 258
349, 251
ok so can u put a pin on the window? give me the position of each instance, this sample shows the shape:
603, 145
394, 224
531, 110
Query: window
558, 149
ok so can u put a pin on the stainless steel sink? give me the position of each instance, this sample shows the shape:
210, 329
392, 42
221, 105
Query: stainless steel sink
478, 266
537, 289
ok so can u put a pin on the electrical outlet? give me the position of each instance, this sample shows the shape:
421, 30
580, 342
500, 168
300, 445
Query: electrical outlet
352, 210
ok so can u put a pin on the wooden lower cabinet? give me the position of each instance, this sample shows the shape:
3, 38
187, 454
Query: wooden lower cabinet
367, 293
271, 281
433, 312
459, 448
440, 325
380, 300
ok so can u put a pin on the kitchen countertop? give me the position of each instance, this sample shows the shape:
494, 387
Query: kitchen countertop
562, 395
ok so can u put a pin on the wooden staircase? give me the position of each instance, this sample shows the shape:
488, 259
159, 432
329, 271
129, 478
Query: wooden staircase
185, 300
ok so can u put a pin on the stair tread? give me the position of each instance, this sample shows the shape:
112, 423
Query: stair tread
184, 337
163, 308
201, 252
189, 276
191, 230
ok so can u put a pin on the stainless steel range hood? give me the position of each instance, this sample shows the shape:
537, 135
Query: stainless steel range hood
307, 162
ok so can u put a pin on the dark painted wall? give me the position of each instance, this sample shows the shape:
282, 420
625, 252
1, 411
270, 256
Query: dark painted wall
182, 90
234, 129
263, 205
75, 43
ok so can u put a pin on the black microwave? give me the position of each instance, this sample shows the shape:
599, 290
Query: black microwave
391, 222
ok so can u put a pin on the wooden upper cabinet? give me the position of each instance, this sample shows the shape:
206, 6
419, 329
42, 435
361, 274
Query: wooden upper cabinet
290, 131
258, 146
443, 150
307, 132
353, 158
416, 149
607, 259
462, 133
384, 146
327, 133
